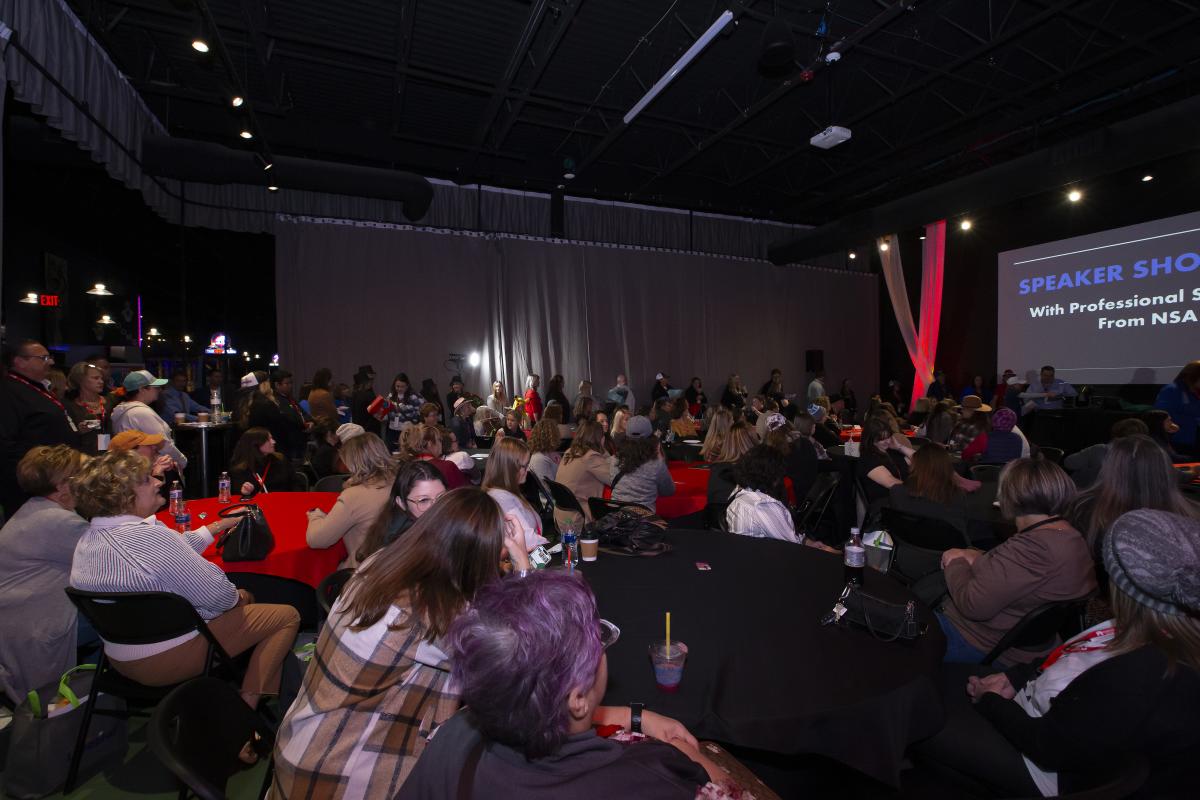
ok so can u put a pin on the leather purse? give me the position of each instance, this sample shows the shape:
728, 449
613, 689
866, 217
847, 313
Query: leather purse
250, 539
883, 620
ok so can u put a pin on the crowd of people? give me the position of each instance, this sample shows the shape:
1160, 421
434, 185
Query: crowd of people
434, 633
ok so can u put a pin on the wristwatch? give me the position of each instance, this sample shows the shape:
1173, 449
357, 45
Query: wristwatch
635, 717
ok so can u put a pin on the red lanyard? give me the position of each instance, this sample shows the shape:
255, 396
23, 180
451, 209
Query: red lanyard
1078, 646
101, 413
295, 407
42, 391
262, 479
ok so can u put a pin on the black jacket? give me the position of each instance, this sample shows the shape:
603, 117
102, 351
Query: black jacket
27, 418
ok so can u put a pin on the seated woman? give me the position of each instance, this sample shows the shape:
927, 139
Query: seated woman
756, 509
425, 443
884, 457
585, 408
660, 417
544, 441
939, 424
378, 685
1046, 561
363, 496
417, 486
124, 551
512, 426
641, 471
507, 468
462, 422
1084, 465
620, 420
1136, 473
256, 467
1162, 428
826, 432
798, 452
1128, 685
532, 739
586, 467
1002, 444
38, 631
932, 488
970, 438
718, 430
721, 484
325, 458
683, 425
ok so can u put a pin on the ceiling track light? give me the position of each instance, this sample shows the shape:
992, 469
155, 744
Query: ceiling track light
965, 225
883, 247
272, 188
1074, 195
853, 255
1147, 178
200, 45
237, 100
246, 134
100, 290
697, 47
31, 298
105, 319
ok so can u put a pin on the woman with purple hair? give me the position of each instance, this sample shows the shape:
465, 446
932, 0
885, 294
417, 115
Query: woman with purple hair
528, 658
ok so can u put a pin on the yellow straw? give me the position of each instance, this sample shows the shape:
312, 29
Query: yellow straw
668, 634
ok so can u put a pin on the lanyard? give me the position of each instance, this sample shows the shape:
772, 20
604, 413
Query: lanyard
1037, 525
262, 479
1078, 646
101, 409
294, 406
42, 391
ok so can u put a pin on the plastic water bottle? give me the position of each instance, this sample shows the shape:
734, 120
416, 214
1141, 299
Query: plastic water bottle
214, 400
223, 488
176, 498
570, 548
854, 558
183, 517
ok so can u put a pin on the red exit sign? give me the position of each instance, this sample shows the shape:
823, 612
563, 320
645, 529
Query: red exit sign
48, 300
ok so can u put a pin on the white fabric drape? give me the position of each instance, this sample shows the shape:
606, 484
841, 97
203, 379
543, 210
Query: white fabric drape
921, 342
586, 311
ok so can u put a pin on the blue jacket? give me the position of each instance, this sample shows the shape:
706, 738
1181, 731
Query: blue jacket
1184, 407
177, 402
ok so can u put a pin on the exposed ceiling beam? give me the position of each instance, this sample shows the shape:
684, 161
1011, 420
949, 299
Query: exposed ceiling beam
404, 47
256, 14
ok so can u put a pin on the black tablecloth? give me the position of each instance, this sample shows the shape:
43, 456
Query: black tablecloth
1072, 429
761, 672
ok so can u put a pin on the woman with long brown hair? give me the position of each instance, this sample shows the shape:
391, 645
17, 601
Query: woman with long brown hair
364, 495
931, 488
507, 468
256, 466
378, 684
718, 430
586, 467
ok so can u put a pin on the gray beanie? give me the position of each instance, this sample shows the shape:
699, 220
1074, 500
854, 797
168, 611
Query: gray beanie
1154, 557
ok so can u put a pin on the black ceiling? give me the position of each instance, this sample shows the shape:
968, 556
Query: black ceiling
505, 91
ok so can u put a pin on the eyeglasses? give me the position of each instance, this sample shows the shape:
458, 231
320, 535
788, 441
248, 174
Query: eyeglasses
609, 634
420, 502
47, 358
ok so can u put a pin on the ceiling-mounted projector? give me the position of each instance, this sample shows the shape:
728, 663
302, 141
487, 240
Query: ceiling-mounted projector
830, 137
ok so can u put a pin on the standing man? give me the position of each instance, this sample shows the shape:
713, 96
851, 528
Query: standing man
1049, 394
817, 387
215, 382
937, 390
176, 400
662, 387
622, 395
295, 427
30, 415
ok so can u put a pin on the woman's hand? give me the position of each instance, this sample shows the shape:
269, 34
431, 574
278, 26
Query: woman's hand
244, 598
997, 683
162, 465
969, 555
514, 542
666, 729
247, 488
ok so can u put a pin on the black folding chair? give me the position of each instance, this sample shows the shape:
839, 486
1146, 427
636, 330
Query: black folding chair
1040, 629
812, 508
136, 618
198, 731
919, 542
331, 483
1054, 454
601, 507
563, 497
328, 591
986, 472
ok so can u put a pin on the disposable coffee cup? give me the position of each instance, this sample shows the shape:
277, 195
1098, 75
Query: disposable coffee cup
202, 416
180, 418
668, 661
590, 548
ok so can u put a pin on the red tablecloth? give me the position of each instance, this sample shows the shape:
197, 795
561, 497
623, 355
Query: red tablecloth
691, 490
1191, 465
285, 513
857, 434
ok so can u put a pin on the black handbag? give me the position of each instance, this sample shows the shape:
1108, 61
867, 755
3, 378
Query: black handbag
630, 532
250, 540
883, 620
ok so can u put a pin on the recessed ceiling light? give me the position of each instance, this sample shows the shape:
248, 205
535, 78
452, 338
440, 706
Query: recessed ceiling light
246, 135
1074, 195
237, 101
569, 175
199, 45
965, 224
1147, 178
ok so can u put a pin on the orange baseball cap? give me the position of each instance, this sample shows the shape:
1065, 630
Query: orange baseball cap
128, 440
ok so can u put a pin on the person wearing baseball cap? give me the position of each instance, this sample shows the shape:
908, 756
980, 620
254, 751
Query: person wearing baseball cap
662, 386
139, 392
641, 475
1130, 685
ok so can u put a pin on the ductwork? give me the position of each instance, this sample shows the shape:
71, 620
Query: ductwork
206, 162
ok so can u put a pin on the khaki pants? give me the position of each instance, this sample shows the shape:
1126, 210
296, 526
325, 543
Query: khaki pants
269, 629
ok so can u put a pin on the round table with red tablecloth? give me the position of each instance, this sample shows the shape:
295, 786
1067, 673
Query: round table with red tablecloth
691, 490
286, 514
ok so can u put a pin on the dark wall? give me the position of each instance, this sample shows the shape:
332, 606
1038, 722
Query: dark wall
967, 339
58, 204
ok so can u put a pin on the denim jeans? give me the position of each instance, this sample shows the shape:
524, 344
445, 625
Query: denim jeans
958, 651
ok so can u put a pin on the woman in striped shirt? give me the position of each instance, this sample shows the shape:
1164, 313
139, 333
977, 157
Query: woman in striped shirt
126, 550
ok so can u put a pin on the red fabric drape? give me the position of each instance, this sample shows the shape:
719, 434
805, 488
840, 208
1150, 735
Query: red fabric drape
933, 262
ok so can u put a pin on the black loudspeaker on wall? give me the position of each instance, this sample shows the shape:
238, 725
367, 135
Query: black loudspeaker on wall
814, 360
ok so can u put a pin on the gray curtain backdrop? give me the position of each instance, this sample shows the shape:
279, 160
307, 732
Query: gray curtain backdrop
403, 299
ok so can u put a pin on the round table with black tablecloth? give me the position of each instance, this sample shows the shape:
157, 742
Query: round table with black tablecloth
761, 672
